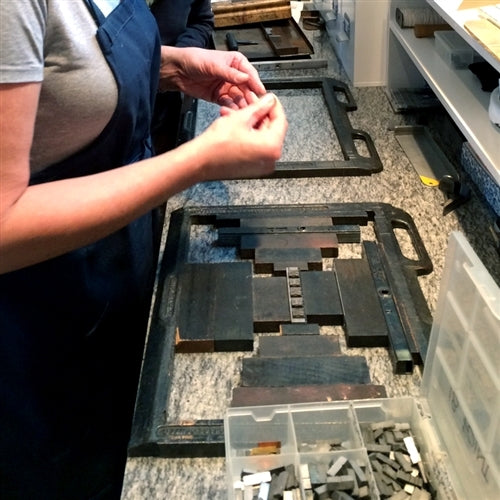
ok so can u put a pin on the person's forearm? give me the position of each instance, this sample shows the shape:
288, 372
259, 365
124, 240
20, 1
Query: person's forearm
46, 220
53, 218
170, 68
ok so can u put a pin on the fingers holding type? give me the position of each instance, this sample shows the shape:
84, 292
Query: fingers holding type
252, 139
244, 73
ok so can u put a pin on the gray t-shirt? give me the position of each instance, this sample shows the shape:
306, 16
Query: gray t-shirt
53, 42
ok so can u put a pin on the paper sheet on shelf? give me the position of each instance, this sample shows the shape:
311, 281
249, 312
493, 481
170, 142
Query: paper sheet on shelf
475, 4
492, 13
486, 33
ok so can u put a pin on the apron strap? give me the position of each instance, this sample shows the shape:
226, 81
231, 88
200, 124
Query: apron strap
95, 11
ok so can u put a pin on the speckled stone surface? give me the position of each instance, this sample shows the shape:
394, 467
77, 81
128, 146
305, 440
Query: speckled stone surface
202, 383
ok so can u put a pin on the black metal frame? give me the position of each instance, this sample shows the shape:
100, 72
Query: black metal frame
353, 163
396, 278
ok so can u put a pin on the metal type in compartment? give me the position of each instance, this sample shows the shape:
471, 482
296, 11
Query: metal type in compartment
280, 229
323, 440
339, 102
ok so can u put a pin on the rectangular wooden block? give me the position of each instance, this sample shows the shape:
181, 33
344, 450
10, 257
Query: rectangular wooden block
299, 329
230, 235
321, 298
276, 372
250, 11
326, 242
291, 222
256, 396
270, 303
298, 345
276, 260
214, 310
364, 320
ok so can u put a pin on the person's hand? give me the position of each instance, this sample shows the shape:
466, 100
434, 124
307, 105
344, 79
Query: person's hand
243, 143
225, 78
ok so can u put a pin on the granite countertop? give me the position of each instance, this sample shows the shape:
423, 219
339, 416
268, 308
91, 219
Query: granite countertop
202, 383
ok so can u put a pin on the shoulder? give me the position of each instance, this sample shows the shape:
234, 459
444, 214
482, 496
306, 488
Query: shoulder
21, 40
31, 29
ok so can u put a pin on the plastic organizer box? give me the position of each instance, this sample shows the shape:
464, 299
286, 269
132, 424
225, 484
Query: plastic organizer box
455, 424
454, 49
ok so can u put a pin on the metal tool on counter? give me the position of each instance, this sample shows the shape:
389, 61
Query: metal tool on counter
427, 158
233, 43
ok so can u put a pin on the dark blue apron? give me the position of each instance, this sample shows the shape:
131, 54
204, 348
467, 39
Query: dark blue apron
72, 328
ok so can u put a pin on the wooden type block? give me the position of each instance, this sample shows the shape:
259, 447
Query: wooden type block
275, 372
321, 296
427, 30
387, 461
359, 472
326, 242
191, 336
231, 235
384, 489
404, 461
264, 450
383, 424
341, 495
389, 438
241, 12
276, 260
420, 494
343, 482
376, 465
400, 495
321, 492
364, 492
292, 481
317, 473
256, 396
278, 482
256, 478
389, 471
270, 303
281, 46
336, 466
364, 320
289, 329
297, 223
298, 345
215, 307
233, 307
405, 478
377, 448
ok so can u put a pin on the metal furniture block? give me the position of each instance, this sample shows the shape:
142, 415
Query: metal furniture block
322, 303
281, 372
365, 324
298, 345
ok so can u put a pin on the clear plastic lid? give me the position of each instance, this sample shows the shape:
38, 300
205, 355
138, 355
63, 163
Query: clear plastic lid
461, 379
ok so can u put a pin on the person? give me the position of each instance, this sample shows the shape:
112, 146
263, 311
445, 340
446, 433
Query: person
182, 23
78, 186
